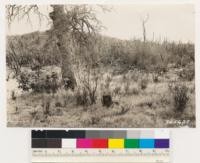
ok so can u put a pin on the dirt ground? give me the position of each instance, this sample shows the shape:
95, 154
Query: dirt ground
133, 107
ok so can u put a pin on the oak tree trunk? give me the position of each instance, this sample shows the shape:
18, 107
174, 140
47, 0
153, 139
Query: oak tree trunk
62, 33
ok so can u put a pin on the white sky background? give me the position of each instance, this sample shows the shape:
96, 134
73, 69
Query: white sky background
175, 22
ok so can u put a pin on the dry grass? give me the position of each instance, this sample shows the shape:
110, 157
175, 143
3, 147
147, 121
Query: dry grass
133, 106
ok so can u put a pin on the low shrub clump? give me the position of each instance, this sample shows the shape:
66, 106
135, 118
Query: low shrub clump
180, 96
81, 96
38, 84
24, 81
187, 73
143, 83
155, 78
117, 90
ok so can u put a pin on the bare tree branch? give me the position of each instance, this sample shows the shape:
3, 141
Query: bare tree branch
24, 12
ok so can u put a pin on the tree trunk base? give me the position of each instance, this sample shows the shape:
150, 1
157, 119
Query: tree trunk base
107, 100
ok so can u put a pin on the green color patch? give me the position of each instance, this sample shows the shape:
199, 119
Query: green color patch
131, 143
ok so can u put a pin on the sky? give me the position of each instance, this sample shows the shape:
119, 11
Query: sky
175, 22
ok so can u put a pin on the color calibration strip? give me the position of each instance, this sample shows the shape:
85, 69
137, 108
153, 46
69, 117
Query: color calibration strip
100, 146
110, 139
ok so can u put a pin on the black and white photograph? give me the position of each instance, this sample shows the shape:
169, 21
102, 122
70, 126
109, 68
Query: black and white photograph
100, 65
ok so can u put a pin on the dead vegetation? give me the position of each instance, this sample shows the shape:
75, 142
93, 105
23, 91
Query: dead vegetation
132, 106
69, 77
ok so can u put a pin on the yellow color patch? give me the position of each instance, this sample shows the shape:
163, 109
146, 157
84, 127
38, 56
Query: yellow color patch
115, 143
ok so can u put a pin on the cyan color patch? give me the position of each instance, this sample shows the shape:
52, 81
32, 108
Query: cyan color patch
146, 143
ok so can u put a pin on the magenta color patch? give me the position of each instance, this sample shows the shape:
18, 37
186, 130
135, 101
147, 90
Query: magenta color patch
84, 143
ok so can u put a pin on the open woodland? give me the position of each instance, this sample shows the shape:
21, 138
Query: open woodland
73, 76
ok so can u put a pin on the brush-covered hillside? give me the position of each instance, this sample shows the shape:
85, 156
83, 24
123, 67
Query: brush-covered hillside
119, 83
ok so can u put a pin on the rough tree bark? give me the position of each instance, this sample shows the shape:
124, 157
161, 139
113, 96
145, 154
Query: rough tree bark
76, 23
61, 30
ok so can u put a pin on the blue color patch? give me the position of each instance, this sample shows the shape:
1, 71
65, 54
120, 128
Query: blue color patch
147, 143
